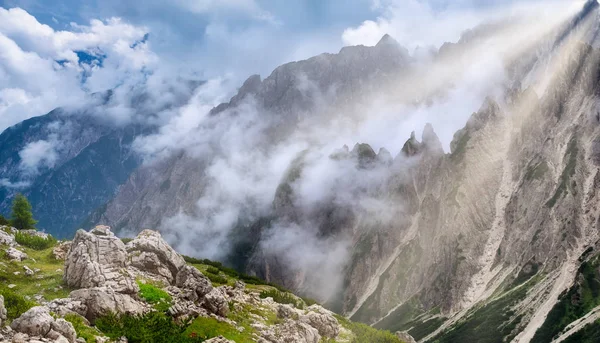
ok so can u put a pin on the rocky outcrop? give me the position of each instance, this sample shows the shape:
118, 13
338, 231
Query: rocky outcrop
98, 259
405, 337
216, 302
100, 301
322, 320
7, 235
15, 254
219, 339
3, 316
149, 253
37, 321
61, 250
193, 282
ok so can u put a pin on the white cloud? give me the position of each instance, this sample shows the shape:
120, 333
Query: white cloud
42, 153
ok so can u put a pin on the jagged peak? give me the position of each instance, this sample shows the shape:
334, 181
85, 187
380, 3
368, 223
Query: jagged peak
387, 40
430, 139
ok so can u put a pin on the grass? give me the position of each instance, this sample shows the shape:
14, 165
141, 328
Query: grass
48, 281
153, 327
15, 303
282, 298
574, 303
35, 242
83, 331
206, 328
152, 294
364, 333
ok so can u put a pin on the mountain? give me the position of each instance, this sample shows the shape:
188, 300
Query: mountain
495, 240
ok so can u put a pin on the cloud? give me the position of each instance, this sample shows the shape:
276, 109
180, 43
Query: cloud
42, 153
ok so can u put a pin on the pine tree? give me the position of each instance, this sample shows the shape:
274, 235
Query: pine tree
21, 217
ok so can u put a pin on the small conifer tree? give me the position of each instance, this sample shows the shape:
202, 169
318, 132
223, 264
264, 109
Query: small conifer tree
21, 217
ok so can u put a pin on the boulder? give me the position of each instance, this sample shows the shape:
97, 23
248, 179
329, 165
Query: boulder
28, 271
6, 238
150, 253
325, 323
100, 301
294, 332
37, 321
219, 339
194, 282
3, 316
216, 302
98, 259
61, 250
16, 255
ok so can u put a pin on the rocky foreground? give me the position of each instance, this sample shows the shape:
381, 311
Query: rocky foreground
105, 277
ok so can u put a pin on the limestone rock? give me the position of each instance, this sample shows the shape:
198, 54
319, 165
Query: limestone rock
6, 238
100, 301
149, 253
219, 339
216, 302
28, 271
192, 280
2, 312
16, 255
97, 259
61, 250
405, 337
37, 321
322, 320
291, 332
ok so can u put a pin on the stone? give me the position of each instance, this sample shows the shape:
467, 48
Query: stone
219, 339
3, 312
151, 254
65, 328
61, 250
6, 238
326, 324
28, 271
191, 279
216, 302
98, 259
404, 336
12, 285
15, 254
37, 321
99, 301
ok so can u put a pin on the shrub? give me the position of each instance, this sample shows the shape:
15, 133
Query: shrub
126, 240
153, 327
155, 296
282, 297
365, 333
15, 303
83, 331
3, 221
216, 278
213, 270
35, 242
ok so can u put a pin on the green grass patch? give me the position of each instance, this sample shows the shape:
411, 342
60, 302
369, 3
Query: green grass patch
35, 242
282, 298
574, 303
15, 303
160, 299
205, 328
83, 331
153, 327
364, 333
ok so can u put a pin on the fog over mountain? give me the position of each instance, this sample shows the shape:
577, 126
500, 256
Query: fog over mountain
434, 170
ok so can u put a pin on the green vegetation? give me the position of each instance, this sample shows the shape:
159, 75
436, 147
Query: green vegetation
154, 295
204, 328
214, 275
536, 172
573, 303
15, 303
153, 327
588, 334
21, 217
3, 220
564, 186
282, 297
527, 272
126, 240
83, 331
364, 333
494, 322
35, 242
